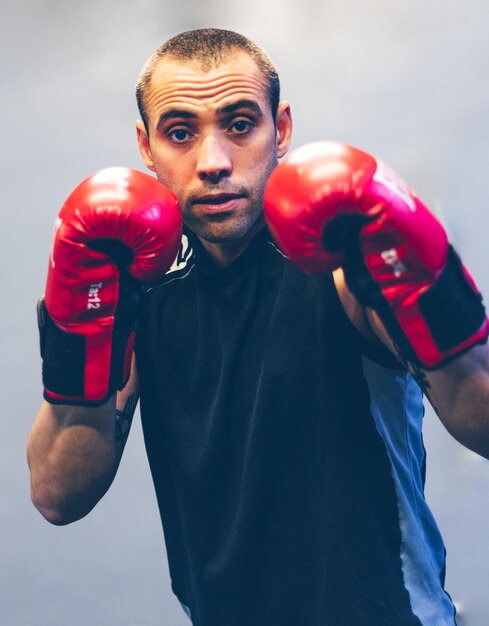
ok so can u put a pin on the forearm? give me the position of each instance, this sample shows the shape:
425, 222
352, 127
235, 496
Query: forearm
73, 454
459, 392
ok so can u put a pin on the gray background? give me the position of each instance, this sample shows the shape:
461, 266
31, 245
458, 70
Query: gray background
406, 80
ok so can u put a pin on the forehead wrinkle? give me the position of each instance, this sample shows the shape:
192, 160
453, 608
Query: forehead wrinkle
209, 91
206, 78
193, 89
177, 102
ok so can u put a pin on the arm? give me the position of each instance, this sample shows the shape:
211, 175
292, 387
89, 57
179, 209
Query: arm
74, 452
118, 229
458, 390
334, 207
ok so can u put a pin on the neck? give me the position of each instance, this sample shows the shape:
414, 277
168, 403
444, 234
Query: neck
224, 253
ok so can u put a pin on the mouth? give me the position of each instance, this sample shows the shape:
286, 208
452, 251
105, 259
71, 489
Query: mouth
216, 201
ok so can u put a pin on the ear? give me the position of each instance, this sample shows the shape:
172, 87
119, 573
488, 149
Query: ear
284, 128
144, 147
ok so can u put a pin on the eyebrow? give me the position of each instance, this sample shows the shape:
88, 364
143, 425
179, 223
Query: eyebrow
242, 104
174, 114
251, 105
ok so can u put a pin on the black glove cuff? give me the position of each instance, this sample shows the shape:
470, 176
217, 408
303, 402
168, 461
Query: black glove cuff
451, 307
64, 355
64, 358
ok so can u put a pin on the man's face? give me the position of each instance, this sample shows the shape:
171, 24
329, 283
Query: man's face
213, 142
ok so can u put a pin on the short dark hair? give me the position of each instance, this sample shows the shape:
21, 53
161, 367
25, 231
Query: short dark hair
210, 47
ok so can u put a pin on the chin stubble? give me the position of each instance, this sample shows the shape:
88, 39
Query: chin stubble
221, 228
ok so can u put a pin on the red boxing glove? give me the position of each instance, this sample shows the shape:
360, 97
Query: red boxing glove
117, 228
329, 205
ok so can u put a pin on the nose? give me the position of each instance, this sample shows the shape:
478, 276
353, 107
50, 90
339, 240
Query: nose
214, 160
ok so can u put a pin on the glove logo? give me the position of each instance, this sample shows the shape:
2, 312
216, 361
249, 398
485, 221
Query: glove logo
93, 297
57, 226
389, 179
390, 257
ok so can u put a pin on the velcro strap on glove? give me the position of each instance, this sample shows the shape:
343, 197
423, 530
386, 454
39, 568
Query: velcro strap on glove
451, 308
65, 353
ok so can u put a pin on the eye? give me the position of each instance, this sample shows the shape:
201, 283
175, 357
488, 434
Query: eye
178, 135
241, 127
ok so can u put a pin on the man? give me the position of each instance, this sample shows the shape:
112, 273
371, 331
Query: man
283, 435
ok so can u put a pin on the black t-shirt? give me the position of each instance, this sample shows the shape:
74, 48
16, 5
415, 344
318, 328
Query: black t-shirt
286, 452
